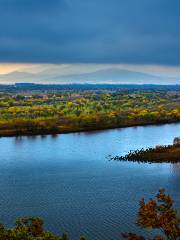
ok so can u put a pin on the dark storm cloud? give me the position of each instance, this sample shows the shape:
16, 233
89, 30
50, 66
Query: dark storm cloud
95, 31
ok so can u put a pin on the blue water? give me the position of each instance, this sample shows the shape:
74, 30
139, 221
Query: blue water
68, 180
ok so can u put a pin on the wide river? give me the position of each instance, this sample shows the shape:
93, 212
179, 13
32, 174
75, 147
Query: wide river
68, 180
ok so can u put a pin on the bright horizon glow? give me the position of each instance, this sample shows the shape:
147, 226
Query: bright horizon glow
6, 68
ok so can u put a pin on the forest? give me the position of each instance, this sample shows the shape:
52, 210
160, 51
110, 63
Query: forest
29, 110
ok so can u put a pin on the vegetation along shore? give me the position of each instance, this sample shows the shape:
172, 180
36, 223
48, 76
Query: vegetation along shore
169, 153
30, 110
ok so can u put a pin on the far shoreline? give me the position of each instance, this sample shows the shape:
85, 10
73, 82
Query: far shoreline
81, 130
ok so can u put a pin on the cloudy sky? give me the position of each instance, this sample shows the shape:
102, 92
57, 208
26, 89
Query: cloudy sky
140, 35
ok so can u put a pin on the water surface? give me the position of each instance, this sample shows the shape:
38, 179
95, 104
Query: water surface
68, 180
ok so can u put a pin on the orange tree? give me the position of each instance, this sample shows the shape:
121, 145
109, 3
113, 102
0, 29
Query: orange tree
158, 214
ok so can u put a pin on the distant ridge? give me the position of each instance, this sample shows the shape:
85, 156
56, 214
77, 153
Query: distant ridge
111, 75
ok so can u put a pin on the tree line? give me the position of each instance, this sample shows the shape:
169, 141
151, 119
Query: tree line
65, 111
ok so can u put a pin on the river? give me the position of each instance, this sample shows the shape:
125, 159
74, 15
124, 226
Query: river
68, 180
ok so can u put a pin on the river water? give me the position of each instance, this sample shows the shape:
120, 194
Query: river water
68, 180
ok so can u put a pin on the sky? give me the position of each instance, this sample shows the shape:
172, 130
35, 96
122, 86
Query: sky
141, 35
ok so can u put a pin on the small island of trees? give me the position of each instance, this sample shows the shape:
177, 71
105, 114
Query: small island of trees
158, 154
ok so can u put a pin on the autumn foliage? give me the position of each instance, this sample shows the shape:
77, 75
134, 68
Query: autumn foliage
52, 112
158, 214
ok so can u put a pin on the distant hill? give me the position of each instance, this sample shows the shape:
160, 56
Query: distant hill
111, 75
115, 76
16, 77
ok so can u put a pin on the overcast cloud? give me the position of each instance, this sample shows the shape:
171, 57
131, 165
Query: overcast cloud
90, 31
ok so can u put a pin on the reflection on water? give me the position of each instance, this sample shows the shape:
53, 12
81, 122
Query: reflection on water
67, 179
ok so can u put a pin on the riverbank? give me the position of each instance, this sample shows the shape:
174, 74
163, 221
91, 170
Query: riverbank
63, 130
55, 112
158, 154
